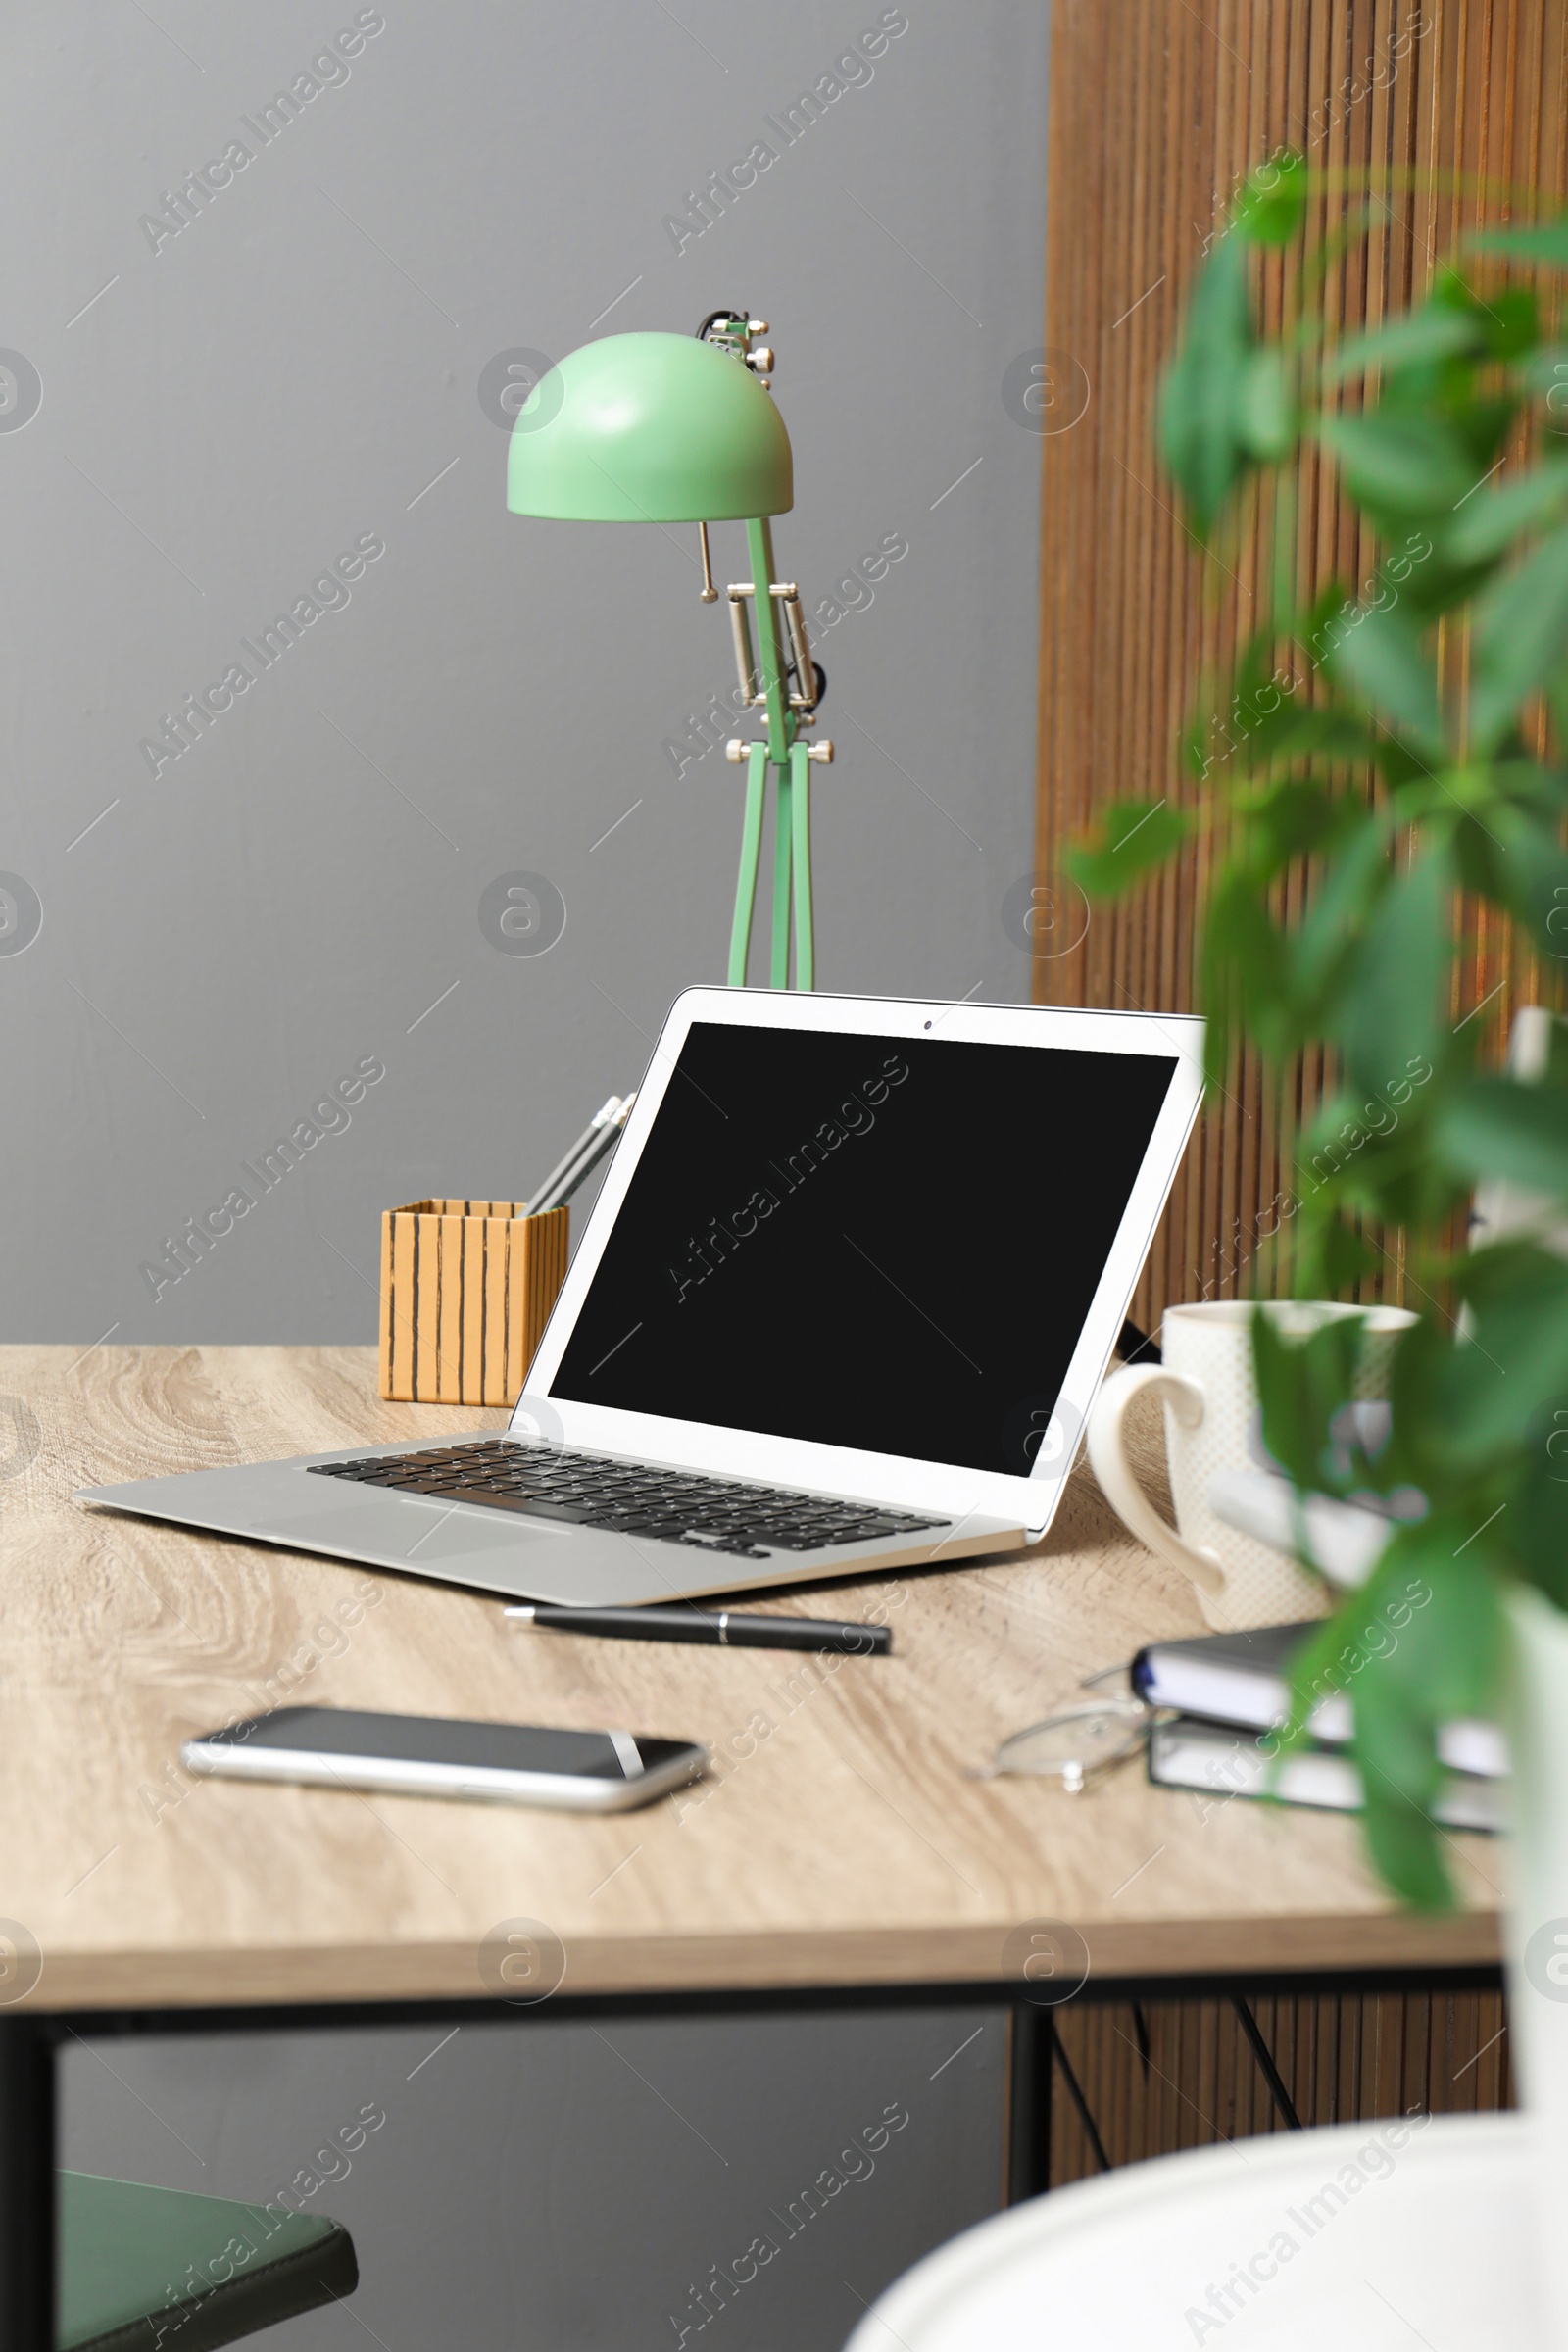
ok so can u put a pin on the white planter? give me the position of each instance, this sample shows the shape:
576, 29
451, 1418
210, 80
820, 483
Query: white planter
1538, 1919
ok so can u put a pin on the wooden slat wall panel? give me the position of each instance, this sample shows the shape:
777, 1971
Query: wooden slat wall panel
1157, 108
1160, 2075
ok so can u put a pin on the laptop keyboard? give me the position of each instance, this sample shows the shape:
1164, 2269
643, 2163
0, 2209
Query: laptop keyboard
674, 1506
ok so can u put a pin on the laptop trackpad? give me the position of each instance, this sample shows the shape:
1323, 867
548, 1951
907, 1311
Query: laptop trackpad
426, 1533
526, 1559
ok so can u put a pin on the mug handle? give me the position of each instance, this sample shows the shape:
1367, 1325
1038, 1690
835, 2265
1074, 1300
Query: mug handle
1107, 1456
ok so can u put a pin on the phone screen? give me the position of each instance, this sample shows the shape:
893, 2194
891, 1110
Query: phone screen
434, 1739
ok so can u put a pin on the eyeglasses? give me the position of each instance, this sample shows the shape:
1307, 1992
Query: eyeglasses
1081, 1744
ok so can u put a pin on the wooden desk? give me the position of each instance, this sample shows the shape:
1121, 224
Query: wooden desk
840, 1842
839, 1852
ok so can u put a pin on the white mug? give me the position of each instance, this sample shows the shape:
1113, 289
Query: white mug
1212, 1424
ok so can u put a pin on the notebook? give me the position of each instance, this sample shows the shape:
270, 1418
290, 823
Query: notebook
1222, 1761
1243, 1679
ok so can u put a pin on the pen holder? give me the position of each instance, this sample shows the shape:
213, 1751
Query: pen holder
466, 1289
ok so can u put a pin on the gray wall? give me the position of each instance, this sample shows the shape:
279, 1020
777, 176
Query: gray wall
565, 2187
298, 369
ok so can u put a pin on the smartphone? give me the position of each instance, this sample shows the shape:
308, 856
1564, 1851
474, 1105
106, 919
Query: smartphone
427, 1755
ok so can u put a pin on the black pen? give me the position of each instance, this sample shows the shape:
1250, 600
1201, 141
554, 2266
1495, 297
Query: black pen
545, 1198
719, 1626
600, 1149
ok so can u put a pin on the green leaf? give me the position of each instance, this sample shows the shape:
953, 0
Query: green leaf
1520, 639
1538, 1512
1435, 332
1369, 1152
1135, 836
1443, 1661
1494, 1278
1343, 1259
1293, 819
1484, 530
1399, 763
1242, 951
1299, 730
1198, 434
1301, 1384
1338, 912
1273, 204
1416, 1454
1543, 373
1405, 463
1513, 322
1532, 787
1267, 421
1480, 861
1331, 597
1396, 1746
1526, 871
1402, 1841
1421, 1641
1547, 244
1391, 1014
1450, 1655
1513, 1360
1484, 423
1496, 1127
1380, 655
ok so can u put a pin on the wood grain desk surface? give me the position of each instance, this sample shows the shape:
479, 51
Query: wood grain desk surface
838, 1842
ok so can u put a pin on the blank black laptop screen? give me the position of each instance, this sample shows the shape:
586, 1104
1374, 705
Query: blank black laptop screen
865, 1242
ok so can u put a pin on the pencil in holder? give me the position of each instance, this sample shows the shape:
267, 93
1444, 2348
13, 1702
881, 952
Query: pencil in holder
466, 1289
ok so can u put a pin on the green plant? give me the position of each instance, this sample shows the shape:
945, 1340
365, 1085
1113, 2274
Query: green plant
1397, 759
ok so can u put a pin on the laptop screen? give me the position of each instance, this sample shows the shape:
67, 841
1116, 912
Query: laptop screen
882, 1243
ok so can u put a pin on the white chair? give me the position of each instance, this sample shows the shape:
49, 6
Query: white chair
1368, 2237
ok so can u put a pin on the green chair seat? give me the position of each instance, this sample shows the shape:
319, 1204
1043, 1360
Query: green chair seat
154, 2270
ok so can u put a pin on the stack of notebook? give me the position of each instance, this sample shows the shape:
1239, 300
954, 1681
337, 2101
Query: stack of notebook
1230, 1690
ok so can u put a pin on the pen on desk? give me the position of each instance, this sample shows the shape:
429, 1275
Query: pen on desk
719, 1626
603, 1143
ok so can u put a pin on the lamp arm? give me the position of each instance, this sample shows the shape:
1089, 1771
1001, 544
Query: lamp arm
785, 749
804, 667
780, 720
740, 938
745, 667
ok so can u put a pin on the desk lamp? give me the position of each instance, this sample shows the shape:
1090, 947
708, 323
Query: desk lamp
680, 429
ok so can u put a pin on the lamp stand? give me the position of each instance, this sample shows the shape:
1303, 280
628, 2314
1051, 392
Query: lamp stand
783, 749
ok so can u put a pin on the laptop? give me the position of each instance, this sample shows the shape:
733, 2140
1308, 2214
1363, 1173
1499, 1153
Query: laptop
842, 1306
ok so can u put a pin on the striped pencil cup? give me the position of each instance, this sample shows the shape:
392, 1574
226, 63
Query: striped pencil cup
466, 1289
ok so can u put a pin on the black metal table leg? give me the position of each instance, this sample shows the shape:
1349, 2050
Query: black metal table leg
1265, 2063
27, 2184
1029, 2103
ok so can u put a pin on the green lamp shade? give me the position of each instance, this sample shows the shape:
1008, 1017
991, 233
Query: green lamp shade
649, 428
